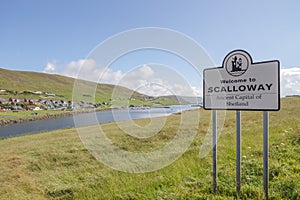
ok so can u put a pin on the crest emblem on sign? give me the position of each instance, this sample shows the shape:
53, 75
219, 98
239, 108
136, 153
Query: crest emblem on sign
236, 64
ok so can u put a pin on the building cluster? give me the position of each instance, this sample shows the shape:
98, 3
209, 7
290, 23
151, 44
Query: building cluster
14, 104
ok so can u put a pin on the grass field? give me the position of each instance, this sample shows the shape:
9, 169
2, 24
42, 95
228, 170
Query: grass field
26, 114
56, 165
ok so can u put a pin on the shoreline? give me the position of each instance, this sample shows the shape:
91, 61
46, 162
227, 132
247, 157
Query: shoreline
47, 116
19, 120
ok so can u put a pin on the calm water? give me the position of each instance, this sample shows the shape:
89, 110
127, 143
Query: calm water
87, 119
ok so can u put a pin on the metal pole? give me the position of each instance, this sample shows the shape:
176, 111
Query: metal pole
266, 154
238, 152
214, 141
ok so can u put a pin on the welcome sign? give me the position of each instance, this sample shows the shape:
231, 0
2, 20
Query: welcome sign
241, 84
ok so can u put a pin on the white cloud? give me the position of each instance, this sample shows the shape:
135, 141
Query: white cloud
83, 69
49, 68
111, 77
144, 79
290, 81
197, 91
88, 69
145, 71
153, 81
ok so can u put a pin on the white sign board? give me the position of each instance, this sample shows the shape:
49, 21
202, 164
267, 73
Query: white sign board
241, 84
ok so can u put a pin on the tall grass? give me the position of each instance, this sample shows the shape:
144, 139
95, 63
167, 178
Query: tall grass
56, 165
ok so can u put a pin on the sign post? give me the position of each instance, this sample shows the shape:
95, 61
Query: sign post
240, 84
266, 154
238, 152
214, 140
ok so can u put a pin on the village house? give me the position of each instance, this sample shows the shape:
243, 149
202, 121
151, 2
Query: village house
50, 94
3, 101
37, 92
16, 104
37, 108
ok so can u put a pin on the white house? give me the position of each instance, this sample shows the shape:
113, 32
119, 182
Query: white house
37, 108
37, 92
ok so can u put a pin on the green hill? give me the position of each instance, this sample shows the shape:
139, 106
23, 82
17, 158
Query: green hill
21, 84
184, 99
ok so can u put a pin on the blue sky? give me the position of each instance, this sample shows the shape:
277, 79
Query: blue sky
37, 33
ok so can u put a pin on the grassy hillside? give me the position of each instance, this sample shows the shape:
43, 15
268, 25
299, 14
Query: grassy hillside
184, 99
18, 82
55, 165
